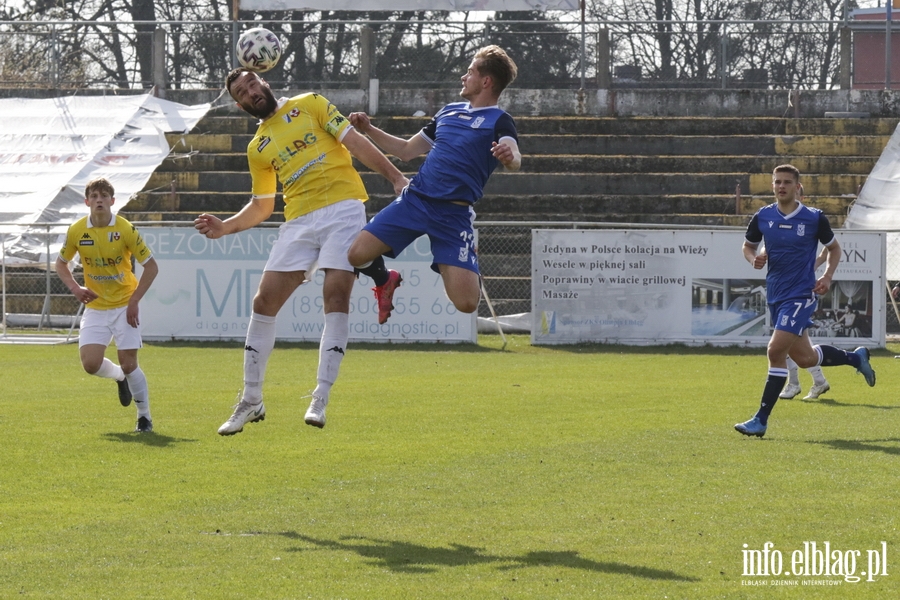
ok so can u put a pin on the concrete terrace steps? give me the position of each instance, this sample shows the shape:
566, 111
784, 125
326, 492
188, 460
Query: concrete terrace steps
190, 186
575, 163
721, 209
577, 168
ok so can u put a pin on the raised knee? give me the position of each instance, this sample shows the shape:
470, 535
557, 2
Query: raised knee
466, 306
91, 368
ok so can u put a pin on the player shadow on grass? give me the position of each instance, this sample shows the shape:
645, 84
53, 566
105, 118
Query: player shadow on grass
147, 439
835, 403
864, 445
404, 557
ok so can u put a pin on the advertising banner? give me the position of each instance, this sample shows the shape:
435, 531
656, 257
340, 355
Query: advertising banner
692, 287
205, 291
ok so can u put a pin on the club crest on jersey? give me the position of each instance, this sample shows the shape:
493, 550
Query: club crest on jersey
477, 123
784, 320
113, 236
801, 229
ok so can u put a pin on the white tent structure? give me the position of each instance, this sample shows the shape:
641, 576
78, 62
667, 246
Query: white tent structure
878, 208
50, 148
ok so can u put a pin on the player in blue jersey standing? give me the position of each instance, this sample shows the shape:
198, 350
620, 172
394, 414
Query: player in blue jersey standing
792, 233
464, 142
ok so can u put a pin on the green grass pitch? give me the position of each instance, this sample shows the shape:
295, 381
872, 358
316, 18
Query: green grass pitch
445, 472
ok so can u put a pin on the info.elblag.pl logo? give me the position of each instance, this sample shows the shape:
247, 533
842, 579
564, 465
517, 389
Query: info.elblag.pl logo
813, 564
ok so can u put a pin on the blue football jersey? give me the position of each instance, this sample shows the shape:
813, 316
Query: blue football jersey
460, 161
792, 243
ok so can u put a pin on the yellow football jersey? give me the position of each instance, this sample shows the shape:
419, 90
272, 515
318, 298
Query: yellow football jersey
106, 257
299, 147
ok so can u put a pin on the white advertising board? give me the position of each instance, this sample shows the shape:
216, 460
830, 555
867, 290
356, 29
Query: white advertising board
205, 291
694, 287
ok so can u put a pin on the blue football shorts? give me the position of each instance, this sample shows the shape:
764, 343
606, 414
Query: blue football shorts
794, 315
449, 228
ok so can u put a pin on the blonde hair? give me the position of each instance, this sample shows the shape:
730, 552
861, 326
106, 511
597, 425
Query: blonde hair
496, 64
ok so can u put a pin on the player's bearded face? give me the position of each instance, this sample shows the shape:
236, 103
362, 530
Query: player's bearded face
260, 102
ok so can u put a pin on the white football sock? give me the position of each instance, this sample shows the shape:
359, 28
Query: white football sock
110, 370
793, 372
137, 383
817, 375
257, 348
331, 351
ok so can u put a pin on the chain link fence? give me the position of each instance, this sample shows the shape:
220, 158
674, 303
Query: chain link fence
553, 53
32, 296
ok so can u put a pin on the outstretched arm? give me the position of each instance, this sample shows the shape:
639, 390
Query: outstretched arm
405, 150
254, 212
372, 157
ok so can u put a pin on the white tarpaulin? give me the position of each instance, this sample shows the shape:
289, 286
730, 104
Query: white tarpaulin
878, 205
50, 149
451, 5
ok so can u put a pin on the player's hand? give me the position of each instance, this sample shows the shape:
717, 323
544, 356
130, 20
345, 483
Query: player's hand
759, 261
84, 295
823, 284
503, 153
400, 185
210, 226
131, 314
361, 122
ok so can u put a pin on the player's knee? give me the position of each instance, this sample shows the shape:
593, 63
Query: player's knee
357, 257
466, 305
91, 366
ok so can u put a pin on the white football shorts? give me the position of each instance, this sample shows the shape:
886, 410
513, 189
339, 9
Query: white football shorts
318, 239
103, 326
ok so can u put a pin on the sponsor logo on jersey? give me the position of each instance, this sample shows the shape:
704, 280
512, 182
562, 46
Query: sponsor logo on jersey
263, 142
785, 226
299, 172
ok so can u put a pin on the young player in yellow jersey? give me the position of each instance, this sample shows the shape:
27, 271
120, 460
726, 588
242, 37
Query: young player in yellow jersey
106, 244
307, 145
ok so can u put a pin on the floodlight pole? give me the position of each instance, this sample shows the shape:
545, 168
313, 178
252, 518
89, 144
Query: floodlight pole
3, 268
583, 46
236, 6
887, 44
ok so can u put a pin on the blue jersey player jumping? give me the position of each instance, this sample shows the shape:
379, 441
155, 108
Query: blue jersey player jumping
465, 142
792, 233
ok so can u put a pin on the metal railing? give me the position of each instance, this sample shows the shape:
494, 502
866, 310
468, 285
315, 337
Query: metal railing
560, 54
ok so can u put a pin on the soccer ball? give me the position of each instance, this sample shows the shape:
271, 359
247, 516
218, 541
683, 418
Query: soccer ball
258, 49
